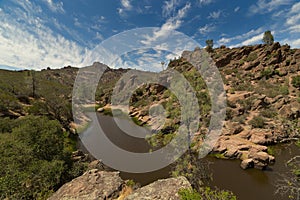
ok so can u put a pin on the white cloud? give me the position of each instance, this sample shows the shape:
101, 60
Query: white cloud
31, 44
293, 15
295, 8
76, 22
294, 29
214, 15
295, 43
99, 36
237, 9
266, 6
169, 7
292, 26
244, 36
293, 19
207, 29
55, 7
171, 24
205, 2
253, 40
126, 4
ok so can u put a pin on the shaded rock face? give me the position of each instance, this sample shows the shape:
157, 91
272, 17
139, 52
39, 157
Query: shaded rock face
93, 185
166, 189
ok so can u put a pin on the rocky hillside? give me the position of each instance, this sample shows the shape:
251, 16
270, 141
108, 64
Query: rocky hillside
263, 100
262, 90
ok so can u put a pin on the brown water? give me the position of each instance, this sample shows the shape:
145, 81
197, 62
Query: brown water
249, 184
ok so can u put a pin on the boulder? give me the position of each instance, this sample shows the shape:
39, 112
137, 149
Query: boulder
261, 136
93, 184
261, 159
166, 189
232, 153
251, 65
247, 163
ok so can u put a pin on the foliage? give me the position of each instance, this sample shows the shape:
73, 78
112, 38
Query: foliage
269, 112
257, 122
267, 73
6, 125
189, 194
289, 183
206, 194
195, 170
271, 89
209, 45
268, 38
251, 57
33, 160
296, 81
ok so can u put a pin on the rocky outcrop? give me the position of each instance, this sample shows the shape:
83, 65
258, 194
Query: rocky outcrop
92, 185
166, 189
97, 185
262, 102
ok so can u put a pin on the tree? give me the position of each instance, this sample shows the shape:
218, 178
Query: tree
163, 65
209, 45
268, 38
34, 160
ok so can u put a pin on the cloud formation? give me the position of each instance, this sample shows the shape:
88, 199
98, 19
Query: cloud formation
55, 7
266, 6
169, 7
171, 24
205, 2
126, 6
29, 43
208, 28
215, 14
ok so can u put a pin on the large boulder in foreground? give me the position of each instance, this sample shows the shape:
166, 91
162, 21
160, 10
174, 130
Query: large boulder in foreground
100, 185
166, 189
92, 185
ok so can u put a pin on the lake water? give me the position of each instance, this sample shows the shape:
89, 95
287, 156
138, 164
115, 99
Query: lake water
251, 184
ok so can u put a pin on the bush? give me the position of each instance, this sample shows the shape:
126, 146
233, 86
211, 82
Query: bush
189, 194
257, 122
206, 193
33, 160
269, 113
267, 73
296, 81
251, 57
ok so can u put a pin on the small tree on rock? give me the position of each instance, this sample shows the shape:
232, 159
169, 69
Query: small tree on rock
268, 38
209, 45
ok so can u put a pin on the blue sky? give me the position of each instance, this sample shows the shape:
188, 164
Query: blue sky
36, 34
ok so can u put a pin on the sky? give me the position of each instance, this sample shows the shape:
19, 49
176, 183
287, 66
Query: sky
36, 34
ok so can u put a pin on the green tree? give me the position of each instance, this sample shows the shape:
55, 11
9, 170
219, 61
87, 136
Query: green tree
209, 45
268, 38
33, 162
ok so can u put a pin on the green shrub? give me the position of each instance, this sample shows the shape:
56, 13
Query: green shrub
267, 73
206, 194
296, 81
251, 57
34, 161
257, 122
269, 113
189, 194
